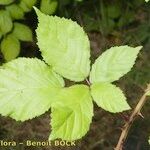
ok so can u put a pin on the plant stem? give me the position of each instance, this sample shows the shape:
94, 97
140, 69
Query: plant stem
136, 112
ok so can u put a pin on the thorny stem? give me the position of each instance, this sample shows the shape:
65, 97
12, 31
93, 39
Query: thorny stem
136, 112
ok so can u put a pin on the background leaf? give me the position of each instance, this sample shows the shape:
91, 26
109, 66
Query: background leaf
22, 32
72, 113
15, 11
64, 46
24, 7
1, 35
27, 5
5, 22
109, 97
114, 11
6, 2
48, 6
27, 88
113, 64
10, 47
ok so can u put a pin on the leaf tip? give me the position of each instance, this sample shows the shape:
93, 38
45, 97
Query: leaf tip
128, 107
51, 137
38, 12
35, 8
138, 48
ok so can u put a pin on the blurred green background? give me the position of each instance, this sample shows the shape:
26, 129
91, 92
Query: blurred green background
107, 23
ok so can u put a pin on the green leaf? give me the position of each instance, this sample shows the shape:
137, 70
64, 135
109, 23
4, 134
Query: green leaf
72, 113
10, 47
146, 0
126, 19
64, 46
114, 11
48, 6
5, 22
1, 35
24, 7
27, 5
15, 11
22, 32
6, 2
27, 88
109, 97
113, 64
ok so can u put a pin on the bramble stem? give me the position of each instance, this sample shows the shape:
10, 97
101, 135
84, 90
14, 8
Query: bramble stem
136, 112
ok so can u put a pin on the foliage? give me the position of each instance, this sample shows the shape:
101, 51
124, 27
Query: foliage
10, 47
5, 22
74, 107
35, 86
22, 32
106, 17
104, 71
30, 88
74, 47
109, 97
11, 14
6, 2
48, 6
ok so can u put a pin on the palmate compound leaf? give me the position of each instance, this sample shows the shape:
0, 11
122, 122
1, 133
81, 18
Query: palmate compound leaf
64, 46
27, 88
113, 64
72, 113
109, 97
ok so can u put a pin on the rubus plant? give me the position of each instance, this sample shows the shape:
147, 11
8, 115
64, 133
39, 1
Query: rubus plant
29, 87
12, 31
